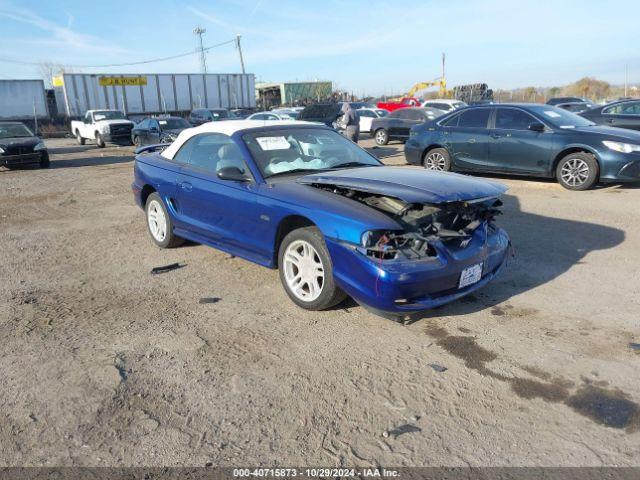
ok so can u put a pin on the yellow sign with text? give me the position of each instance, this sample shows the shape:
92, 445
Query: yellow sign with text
122, 81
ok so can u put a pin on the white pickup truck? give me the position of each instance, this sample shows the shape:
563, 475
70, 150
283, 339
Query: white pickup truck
103, 126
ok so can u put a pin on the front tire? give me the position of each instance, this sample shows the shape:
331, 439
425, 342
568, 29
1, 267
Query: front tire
437, 159
381, 136
306, 271
44, 160
577, 171
79, 138
99, 140
136, 141
159, 223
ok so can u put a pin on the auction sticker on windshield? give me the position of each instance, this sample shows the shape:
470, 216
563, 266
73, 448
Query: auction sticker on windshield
273, 143
470, 275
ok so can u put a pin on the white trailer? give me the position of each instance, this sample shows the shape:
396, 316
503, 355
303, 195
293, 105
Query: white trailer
141, 94
23, 100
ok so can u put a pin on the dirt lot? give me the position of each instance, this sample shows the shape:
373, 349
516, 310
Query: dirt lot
104, 364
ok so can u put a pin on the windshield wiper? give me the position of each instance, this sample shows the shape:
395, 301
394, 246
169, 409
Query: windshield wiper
353, 164
295, 170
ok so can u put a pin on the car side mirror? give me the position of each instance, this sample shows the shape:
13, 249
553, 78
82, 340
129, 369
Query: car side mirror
537, 127
233, 174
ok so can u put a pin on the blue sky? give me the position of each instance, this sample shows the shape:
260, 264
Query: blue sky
371, 47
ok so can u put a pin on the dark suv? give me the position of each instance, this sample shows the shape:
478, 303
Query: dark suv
204, 115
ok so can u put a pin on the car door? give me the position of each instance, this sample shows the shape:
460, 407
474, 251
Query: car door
623, 115
468, 138
394, 122
220, 212
366, 117
153, 134
140, 131
514, 147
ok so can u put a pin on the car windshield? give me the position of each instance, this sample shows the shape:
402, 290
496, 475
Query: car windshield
222, 114
173, 123
561, 118
108, 115
14, 130
382, 113
282, 151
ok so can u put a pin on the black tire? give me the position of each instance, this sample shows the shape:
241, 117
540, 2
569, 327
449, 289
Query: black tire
170, 240
381, 136
437, 159
330, 294
99, 140
578, 171
136, 141
79, 138
44, 160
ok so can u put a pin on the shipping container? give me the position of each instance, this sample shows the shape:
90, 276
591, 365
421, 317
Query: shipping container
22, 100
140, 94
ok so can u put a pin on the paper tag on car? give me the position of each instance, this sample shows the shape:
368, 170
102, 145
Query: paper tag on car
273, 143
470, 275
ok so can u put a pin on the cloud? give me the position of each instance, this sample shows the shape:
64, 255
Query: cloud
62, 36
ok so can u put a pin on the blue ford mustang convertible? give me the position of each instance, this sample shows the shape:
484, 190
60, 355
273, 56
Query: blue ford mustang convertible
302, 198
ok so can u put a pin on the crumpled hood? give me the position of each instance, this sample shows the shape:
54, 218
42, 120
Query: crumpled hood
409, 184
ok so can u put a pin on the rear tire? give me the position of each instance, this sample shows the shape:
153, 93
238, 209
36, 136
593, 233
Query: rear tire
437, 159
306, 271
381, 136
79, 138
99, 140
159, 223
577, 171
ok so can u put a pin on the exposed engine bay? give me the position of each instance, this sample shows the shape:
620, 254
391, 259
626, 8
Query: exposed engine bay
423, 224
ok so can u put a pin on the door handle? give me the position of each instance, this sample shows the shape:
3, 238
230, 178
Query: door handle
610, 120
495, 135
186, 186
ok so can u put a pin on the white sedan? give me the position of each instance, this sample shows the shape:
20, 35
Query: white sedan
269, 116
367, 115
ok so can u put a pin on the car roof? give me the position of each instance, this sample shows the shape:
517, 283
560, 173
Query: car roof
228, 127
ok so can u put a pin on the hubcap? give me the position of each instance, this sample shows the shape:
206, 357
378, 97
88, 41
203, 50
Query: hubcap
157, 221
303, 271
435, 161
381, 136
574, 172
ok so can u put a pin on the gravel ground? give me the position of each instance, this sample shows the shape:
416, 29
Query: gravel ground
104, 364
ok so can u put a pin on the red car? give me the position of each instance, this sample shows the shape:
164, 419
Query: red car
404, 103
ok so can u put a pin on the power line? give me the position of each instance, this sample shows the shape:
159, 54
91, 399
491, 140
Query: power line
162, 59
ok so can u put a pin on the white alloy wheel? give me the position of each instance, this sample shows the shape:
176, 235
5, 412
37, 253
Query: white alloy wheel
157, 221
435, 161
575, 172
303, 271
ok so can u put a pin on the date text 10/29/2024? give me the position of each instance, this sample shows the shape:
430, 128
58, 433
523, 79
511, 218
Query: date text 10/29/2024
314, 472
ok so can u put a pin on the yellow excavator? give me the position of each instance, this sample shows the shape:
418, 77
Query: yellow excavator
440, 82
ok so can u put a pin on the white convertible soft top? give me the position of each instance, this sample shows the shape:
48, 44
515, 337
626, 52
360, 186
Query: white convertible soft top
226, 127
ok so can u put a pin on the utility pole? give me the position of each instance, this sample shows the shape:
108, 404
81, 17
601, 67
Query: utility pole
203, 59
626, 78
443, 59
240, 52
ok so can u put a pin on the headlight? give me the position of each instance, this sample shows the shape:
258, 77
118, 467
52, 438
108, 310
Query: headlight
413, 133
104, 129
1, 151
39, 146
621, 147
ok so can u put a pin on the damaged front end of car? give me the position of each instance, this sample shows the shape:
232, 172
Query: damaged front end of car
423, 225
440, 251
